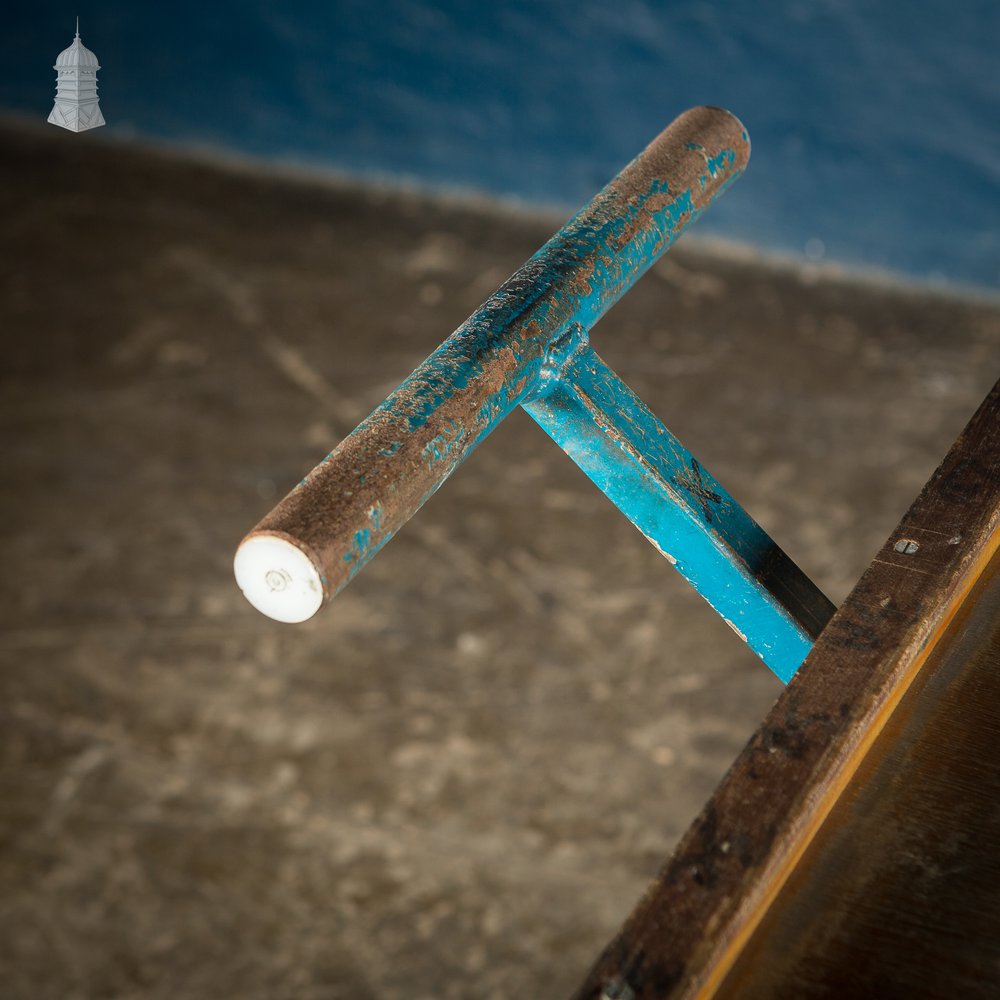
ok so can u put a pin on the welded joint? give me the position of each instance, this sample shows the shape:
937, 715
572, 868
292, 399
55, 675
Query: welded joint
560, 353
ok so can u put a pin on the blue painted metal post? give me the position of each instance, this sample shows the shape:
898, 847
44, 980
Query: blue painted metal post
687, 515
512, 351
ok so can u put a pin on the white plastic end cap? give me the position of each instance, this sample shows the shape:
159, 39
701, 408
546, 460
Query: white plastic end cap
278, 578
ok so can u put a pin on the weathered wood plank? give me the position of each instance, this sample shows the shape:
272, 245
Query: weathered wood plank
690, 929
898, 895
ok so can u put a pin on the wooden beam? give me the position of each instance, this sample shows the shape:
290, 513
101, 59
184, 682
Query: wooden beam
694, 932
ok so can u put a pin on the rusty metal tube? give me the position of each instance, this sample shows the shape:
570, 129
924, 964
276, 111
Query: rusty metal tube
315, 540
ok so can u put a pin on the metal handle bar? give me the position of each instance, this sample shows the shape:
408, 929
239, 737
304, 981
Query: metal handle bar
316, 539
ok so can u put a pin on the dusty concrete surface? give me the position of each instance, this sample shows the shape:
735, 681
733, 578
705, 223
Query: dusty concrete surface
456, 782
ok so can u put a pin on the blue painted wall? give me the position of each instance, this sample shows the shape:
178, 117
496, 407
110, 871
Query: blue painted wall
876, 125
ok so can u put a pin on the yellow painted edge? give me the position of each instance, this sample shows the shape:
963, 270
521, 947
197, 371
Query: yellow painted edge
837, 782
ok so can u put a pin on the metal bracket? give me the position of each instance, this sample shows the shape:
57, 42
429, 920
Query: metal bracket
528, 345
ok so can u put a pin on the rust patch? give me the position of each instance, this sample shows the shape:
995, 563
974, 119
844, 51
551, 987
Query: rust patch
406, 449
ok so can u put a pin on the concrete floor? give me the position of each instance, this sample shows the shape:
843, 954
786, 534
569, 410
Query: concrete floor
455, 782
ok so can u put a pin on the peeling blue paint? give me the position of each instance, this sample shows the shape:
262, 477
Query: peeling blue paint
683, 510
528, 345
439, 448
